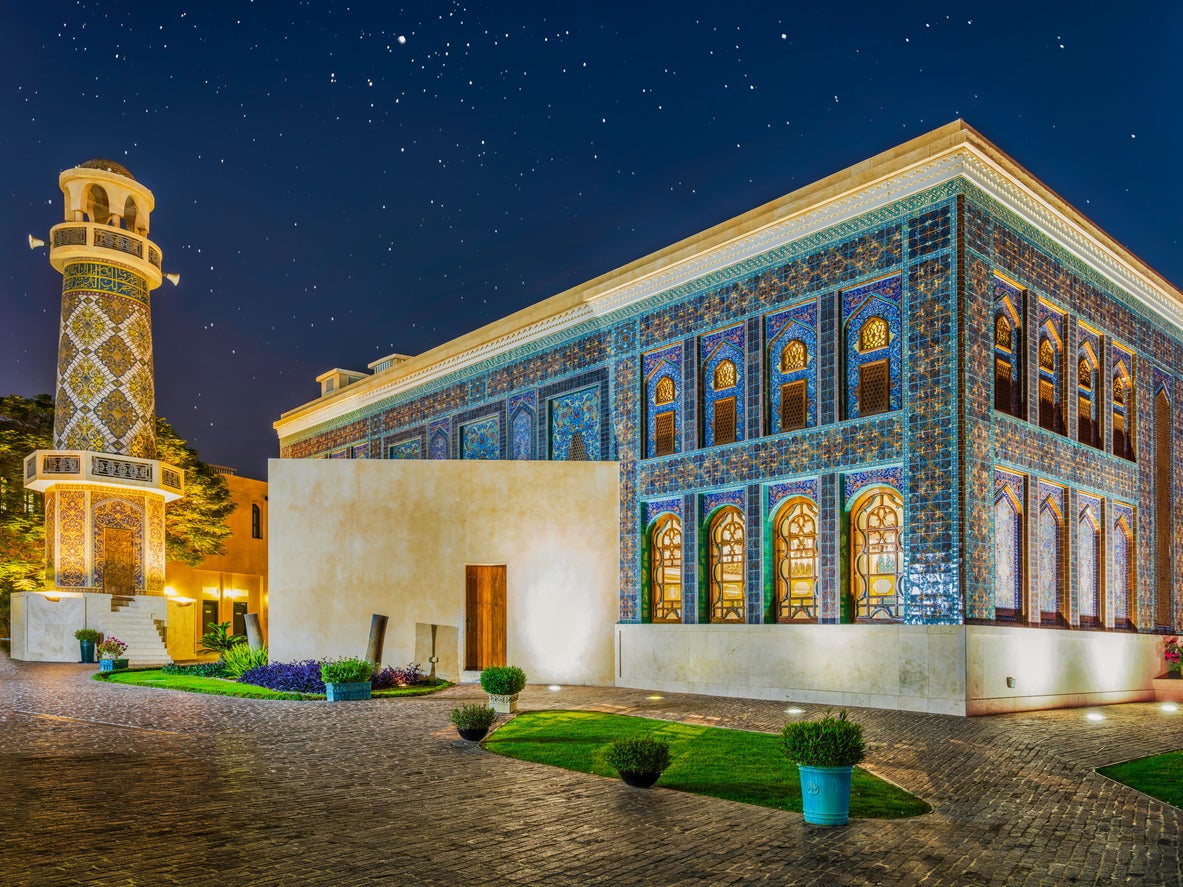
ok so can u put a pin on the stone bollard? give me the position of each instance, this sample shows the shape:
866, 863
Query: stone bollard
254, 631
377, 639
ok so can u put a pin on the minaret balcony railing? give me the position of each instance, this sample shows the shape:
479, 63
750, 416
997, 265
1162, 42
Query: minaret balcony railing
82, 241
45, 468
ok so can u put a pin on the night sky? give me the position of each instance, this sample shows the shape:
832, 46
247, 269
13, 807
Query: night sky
335, 183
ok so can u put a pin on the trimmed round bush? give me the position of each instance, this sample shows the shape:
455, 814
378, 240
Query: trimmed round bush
346, 670
639, 754
473, 717
831, 741
503, 680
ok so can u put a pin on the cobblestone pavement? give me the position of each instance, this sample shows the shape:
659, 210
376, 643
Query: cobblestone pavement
104, 784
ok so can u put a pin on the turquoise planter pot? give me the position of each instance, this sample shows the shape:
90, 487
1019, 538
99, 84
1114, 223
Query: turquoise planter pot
87, 651
112, 664
346, 692
825, 794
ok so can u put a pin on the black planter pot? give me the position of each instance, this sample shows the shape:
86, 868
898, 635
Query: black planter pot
475, 734
87, 651
639, 780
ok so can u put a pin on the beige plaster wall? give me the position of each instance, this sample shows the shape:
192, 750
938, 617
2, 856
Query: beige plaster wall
348, 538
911, 667
1056, 669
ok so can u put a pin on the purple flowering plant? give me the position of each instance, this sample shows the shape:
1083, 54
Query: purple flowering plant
289, 677
390, 677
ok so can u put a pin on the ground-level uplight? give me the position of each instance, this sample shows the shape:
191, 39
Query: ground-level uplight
1169, 706
554, 687
1095, 716
654, 697
794, 711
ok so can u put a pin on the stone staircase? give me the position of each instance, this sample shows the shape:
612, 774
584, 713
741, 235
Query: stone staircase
136, 627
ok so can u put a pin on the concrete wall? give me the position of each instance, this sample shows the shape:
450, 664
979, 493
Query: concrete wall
945, 669
912, 667
1057, 669
349, 538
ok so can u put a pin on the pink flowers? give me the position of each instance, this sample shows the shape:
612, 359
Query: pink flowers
1172, 653
111, 648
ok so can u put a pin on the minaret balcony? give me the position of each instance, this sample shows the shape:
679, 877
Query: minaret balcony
45, 468
87, 241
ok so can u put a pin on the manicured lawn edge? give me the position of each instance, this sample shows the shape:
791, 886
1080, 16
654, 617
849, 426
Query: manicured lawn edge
736, 765
155, 679
1158, 776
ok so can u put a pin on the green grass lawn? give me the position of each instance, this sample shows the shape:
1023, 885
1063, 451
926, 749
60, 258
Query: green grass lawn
1160, 776
154, 677
732, 764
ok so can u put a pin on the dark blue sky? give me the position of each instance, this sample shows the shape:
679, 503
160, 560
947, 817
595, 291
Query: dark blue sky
335, 183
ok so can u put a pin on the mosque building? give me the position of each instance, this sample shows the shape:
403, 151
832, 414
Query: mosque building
904, 437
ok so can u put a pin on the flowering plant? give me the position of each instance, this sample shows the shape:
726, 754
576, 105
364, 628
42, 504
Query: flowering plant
1172, 653
111, 648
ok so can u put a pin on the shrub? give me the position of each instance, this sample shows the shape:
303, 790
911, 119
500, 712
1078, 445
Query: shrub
241, 658
287, 677
87, 634
390, 677
347, 670
111, 648
219, 639
503, 680
473, 717
829, 742
640, 754
200, 670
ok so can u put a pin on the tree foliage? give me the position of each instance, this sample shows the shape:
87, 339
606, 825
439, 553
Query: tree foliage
195, 527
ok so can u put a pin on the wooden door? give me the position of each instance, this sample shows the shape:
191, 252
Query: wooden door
119, 561
484, 623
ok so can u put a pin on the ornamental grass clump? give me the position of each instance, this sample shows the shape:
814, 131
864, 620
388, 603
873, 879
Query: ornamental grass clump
503, 680
347, 670
473, 717
832, 741
287, 677
240, 659
639, 754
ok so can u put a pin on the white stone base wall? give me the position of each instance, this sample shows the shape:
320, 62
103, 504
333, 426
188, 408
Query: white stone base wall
1054, 668
957, 670
911, 667
43, 628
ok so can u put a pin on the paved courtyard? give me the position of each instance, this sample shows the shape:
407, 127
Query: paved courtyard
105, 784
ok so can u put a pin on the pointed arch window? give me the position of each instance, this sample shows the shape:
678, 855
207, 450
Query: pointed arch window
727, 562
795, 555
256, 522
873, 335
1125, 585
1123, 416
665, 575
1162, 510
1009, 351
1051, 564
1009, 605
665, 391
1088, 559
793, 356
877, 556
1049, 386
724, 375
1087, 398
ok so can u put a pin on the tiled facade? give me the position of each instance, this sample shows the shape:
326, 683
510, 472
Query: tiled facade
890, 320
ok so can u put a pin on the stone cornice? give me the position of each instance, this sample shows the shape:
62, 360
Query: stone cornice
990, 172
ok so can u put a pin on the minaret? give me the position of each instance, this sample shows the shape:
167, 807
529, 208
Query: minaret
105, 492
